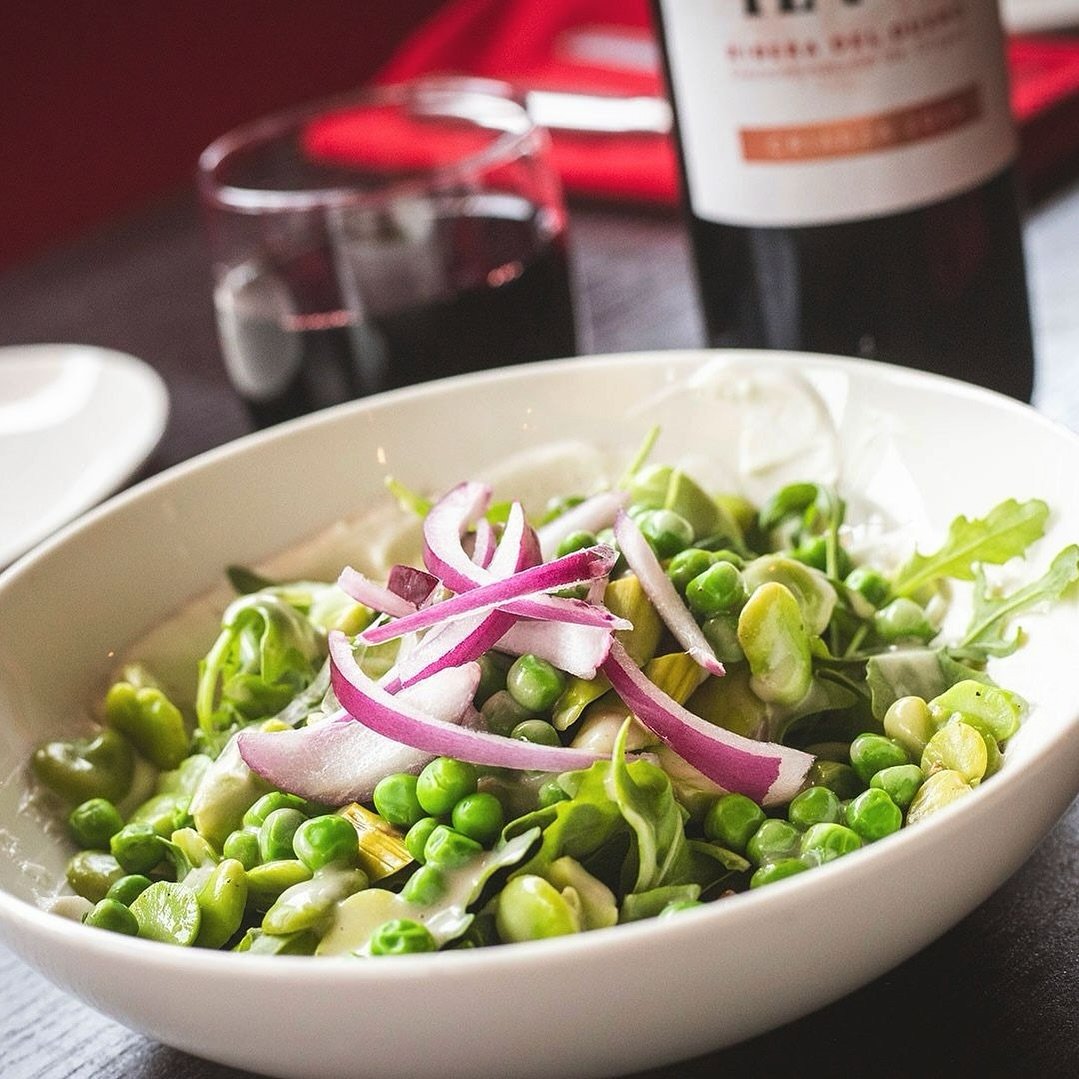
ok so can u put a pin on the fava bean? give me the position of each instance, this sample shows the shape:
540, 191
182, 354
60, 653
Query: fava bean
167, 912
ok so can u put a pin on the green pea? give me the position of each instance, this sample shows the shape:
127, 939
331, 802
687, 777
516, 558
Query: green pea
98, 767
534, 683
687, 564
676, 906
243, 845
774, 839
826, 842
402, 936
957, 747
167, 912
443, 783
530, 908
112, 915
426, 886
396, 801
137, 847
221, 902
780, 869
550, 793
901, 782
91, 873
266, 882
93, 823
325, 840
718, 589
814, 552
417, 836
264, 806
732, 821
840, 779
908, 722
493, 667
815, 805
667, 532
869, 753
537, 731
575, 541
479, 816
939, 789
873, 815
501, 713
869, 583
128, 888
903, 620
154, 725
448, 848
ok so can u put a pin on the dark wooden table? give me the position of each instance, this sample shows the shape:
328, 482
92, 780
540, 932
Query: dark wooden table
998, 995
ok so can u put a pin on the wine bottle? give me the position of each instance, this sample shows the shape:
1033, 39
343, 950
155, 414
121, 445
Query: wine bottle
848, 175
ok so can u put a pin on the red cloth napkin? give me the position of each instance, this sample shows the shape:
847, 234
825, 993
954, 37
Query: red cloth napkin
607, 47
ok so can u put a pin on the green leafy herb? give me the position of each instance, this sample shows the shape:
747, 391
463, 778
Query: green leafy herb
987, 635
410, 501
245, 581
1006, 531
914, 672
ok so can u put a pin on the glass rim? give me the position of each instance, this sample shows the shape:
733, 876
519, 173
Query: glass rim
503, 147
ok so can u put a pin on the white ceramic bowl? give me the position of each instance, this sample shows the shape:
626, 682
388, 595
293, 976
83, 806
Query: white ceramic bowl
605, 1002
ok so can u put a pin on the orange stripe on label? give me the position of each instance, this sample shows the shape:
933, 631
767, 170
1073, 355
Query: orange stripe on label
863, 134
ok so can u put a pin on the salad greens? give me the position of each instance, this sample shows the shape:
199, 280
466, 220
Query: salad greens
656, 698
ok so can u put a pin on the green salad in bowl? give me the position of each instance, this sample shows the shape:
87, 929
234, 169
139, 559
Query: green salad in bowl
556, 758
641, 698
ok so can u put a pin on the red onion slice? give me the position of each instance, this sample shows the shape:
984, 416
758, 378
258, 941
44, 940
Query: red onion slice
443, 552
411, 584
449, 645
363, 590
339, 760
768, 773
578, 650
591, 515
483, 543
389, 716
576, 568
658, 588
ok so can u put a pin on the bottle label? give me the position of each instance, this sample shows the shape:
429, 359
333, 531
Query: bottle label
807, 112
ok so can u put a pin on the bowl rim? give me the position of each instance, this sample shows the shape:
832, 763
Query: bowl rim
22, 915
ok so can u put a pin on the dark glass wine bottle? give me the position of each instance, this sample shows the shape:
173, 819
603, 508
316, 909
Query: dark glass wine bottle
848, 174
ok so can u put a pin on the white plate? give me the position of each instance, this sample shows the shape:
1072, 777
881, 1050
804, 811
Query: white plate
75, 422
1024, 16
614, 1000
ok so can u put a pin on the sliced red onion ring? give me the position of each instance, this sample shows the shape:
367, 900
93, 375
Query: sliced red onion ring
339, 760
483, 543
573, 569
363, 590
578, 650
445, 524
591, 515
768, 773
411, 584
449, 645
389, 716
658, 588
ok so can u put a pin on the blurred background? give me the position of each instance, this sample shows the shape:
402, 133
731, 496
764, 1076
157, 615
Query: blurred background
105, 106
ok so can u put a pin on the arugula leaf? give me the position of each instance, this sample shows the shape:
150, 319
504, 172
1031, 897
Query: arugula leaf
244, 580
987, 634
1006, 531
410, 501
